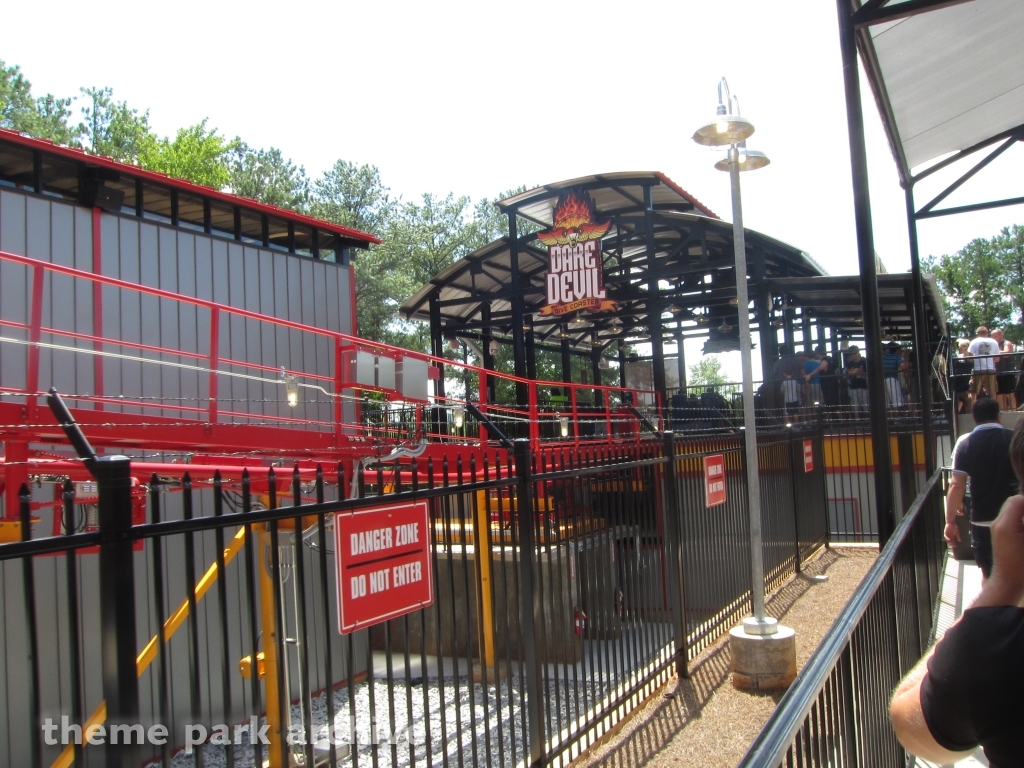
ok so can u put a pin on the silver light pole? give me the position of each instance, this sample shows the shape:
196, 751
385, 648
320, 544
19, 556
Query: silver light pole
731, 130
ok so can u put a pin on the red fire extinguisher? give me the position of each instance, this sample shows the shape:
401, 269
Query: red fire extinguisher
579, 621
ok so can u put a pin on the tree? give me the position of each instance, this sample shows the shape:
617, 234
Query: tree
353, 196
44, 118
114, 129
706, 372
196, 153
265, 175
1009, 245
973, 284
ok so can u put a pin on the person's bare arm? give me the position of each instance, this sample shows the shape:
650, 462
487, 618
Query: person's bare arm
954, 501
908, 718
1006, 587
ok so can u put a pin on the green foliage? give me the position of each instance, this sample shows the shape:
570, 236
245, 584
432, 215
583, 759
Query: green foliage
45, 118
983, 283
1009, 245
265, 175
112, 128
421, 237
353, 196
196, 153
706, 372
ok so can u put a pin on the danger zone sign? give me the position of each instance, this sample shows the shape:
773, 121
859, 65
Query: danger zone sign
383, 563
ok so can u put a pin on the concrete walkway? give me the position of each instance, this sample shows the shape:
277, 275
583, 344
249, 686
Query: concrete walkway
961, 584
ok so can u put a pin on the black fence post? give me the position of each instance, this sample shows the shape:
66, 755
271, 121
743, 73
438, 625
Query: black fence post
529, 604
908, 477
117, 608
31, 630
793, 464
672, 515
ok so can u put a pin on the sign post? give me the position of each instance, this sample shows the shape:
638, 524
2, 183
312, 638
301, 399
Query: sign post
384, 565
714, 479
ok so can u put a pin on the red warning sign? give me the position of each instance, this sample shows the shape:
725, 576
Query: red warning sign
383, 559
808, 456
714, 479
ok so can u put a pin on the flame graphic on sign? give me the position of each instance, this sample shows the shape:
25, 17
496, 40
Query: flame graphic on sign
574, 222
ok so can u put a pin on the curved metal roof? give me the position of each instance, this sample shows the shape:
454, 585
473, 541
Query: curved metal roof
694, 264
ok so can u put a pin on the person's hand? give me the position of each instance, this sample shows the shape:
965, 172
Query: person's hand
952, 534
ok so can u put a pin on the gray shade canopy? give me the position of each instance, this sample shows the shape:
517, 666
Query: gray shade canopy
948, 79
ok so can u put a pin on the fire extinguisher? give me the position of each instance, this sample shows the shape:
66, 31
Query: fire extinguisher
579, 621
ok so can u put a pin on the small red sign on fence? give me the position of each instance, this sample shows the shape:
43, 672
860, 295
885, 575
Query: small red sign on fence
383, 559
714, 479
808, 456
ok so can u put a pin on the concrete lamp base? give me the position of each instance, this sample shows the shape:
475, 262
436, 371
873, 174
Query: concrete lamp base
763, 662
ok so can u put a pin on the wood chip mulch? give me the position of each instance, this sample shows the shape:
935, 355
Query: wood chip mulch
704, 721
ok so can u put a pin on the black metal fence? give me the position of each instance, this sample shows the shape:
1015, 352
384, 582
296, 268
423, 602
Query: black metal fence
568, 585
837, 710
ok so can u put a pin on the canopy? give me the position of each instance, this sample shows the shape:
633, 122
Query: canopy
693, 264
947, 79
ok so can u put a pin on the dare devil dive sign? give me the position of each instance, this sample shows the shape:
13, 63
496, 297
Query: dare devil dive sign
575, 278
383, 559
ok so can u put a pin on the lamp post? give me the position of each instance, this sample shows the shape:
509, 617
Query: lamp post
730, 129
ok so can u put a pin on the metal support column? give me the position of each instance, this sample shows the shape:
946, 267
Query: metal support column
680, 357
530, 607
518, 313
566, 362
487, 388
653, 298
117, 604
437, 350
922, 362
767, 337
787, 326
868, 278
673, 520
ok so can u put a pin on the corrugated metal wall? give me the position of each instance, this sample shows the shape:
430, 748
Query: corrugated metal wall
285, 286
282, 285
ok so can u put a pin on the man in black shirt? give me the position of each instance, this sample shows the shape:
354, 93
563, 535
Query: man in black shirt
983, 456
856, 372
969, 689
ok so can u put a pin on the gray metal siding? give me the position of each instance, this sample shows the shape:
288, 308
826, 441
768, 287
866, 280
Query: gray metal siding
138, 251
192, 264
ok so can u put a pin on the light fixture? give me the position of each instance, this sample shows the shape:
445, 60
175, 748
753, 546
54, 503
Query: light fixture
291, 388
675, 309
563, 425
724, 327
492, 348
727, 128
734, 301
458, 417
580, 322
748, 159
563, 332
603, 364
453, 344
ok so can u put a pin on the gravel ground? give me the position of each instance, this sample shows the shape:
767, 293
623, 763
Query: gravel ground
704, 720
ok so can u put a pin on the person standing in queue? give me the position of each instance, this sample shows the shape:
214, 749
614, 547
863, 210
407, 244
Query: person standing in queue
981, 458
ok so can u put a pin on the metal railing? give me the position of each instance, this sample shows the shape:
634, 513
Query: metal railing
569, 584
837, 710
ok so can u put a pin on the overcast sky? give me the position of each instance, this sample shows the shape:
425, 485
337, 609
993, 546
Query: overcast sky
479, 97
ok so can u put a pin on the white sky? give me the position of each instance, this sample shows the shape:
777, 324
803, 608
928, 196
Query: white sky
478, 97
